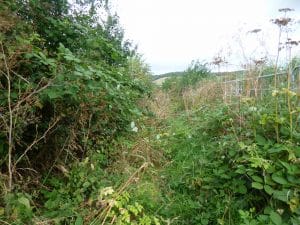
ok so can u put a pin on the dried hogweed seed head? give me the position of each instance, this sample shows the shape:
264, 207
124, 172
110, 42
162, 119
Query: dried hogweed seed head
282, 21
291, 42
258, 62
285, 10
218, 60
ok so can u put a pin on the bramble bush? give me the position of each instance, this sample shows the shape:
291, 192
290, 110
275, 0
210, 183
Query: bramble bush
69, 86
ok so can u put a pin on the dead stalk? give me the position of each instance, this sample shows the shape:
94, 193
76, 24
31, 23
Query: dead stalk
275, 84
109, 207
36, 91
10, 124
36, 140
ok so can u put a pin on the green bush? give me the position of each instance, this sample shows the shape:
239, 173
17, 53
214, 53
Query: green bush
195, 72
69, 85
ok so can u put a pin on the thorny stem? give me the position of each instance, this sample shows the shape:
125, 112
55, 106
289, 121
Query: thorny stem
10, 125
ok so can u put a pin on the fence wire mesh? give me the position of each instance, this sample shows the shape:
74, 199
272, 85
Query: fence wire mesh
231, 90
260, 86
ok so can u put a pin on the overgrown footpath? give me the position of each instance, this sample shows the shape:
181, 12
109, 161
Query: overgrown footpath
230, 162
86, 139
216, 163
223, 172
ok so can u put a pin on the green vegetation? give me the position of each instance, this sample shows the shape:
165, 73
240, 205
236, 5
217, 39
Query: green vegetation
227, 167
69, 87
86, 138
196, 72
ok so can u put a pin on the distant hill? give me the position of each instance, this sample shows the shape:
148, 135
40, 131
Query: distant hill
160, 80
182, 73
171, 74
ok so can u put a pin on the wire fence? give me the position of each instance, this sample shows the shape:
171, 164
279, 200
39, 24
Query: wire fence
259, 86
231, 91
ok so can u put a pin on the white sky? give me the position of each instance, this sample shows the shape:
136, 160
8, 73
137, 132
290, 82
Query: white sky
172, 33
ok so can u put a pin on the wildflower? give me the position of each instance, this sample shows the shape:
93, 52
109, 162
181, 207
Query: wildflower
292, 93
106, 191
252, 109
289, 92
280, 211
275, 93
133, 127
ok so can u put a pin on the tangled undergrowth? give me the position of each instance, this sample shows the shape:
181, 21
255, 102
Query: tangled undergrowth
86, 139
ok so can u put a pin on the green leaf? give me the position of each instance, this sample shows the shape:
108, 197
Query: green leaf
260, 140
268, 189
279, 179
291, 169
277, 149
282, 195
257, 179
293, 180
275, 218
2, 211
242, 189
24, 201
79, 221
14, 95
258, 186
241, 169
52, 94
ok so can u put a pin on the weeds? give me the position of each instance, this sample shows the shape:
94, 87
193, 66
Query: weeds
83, 140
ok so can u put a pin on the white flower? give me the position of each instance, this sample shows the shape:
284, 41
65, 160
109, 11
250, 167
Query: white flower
133, 127
275, 93
106, 191
157, 137
252, 109
92, 166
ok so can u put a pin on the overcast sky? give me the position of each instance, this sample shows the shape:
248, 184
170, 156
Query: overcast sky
172, 33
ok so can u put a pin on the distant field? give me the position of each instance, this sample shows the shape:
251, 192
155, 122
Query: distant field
160, 81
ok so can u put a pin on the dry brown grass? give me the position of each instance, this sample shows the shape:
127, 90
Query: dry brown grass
160, 104
206, 92
226, 89
141, 152
7, 21
132, 156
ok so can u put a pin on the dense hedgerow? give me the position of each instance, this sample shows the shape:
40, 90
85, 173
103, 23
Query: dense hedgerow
69, 85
